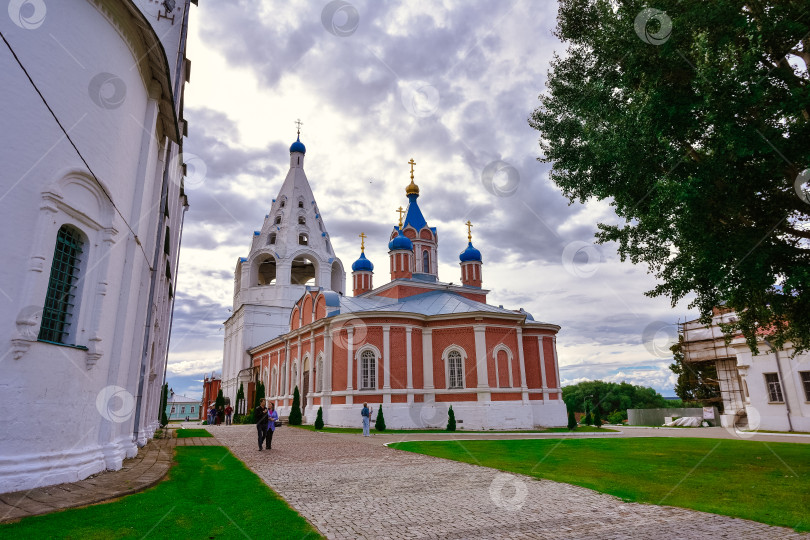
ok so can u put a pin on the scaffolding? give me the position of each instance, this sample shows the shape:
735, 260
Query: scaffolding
707, 343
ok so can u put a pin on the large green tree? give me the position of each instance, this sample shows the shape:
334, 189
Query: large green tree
609, 397
690, 119
697, 381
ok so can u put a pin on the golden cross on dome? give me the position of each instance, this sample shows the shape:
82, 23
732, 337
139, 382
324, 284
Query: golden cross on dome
469, 231
298, 124
362, 242
412, 163
401, 211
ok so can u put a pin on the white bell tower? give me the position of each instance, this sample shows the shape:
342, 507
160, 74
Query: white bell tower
290, 252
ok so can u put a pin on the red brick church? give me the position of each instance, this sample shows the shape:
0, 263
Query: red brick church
414, 345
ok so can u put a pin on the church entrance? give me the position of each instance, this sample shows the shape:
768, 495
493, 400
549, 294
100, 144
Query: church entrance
305, 392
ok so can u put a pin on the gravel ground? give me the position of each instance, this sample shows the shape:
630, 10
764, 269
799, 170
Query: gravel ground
348, 488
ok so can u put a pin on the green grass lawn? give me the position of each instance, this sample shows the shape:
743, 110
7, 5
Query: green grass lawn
328, 429
197, 432
766, 482
208, 494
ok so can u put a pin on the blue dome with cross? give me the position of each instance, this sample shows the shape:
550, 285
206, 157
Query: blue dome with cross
298, 146
400, 242
470, 254
362, 264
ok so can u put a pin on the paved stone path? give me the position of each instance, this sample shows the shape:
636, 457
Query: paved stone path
141, 472
353, 487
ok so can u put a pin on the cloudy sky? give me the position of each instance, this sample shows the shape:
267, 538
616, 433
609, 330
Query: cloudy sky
449, 84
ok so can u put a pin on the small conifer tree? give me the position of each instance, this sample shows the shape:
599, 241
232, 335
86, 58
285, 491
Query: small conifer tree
597, 417
451, 419
257, 399
587, 418
295, 411
379, 424
164, 396
319, 419
572, 420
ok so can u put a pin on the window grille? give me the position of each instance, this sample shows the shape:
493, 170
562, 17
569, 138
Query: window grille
58, 313
774, 388
368, 362
455, 370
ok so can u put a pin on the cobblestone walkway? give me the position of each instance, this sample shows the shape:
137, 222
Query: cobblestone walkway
141, 472
351, 489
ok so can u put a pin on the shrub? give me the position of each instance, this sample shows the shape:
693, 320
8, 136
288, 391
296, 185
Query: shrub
572, 420
379, 424
451, 419
319, 419
616, 417
164, 395
597, 417
295, 411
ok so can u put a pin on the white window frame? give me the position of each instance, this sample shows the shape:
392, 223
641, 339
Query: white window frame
774, 388
446, 359
359, 359
804, 377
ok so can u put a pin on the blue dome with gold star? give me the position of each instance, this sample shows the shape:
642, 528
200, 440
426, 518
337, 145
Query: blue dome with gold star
298, 146
362, 264
470, 254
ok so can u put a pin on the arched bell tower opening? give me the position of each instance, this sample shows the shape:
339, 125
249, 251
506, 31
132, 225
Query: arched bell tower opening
263, 271
304, 271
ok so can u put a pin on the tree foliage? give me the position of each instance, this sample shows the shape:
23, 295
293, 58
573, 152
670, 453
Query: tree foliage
319, 419
257, 399
296, 417
692, 122
164, 397
451, 419
697, 381
609, 397
572, 419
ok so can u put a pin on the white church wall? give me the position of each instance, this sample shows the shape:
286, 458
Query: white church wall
71, 411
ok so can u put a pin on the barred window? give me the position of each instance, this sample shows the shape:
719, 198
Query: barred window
774, 388
806, 383
368, 368
59, 311
455, 370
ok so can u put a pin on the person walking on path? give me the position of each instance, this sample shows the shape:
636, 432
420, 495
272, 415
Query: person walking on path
260, 414
272, 416
366, 414
228, 413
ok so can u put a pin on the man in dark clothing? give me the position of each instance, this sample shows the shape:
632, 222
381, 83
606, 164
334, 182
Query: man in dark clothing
260, 414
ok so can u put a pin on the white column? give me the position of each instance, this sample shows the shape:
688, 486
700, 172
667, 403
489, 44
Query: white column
287, 382
349, 364
409, 364
522, 363
556, 364
543, 383
386, 364
311, 389
326, 398
481, 362
427, 363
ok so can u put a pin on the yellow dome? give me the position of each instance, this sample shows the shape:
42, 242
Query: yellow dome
412, 189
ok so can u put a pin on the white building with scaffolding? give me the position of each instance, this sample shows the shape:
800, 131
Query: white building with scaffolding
767, 391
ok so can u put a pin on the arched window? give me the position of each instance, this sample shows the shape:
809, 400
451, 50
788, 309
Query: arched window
60, 308
319, 376
368, 370
283, 202
303, 239
300, 204
455, 370
426, 261
302, 220
272, 239
278, 220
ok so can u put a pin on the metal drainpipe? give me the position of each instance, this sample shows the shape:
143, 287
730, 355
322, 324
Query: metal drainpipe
781, 382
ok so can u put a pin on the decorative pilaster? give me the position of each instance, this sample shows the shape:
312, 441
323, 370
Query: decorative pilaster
386, 364
427, 364
481, 362
409, 364
524, 389
349, 364
543, 383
